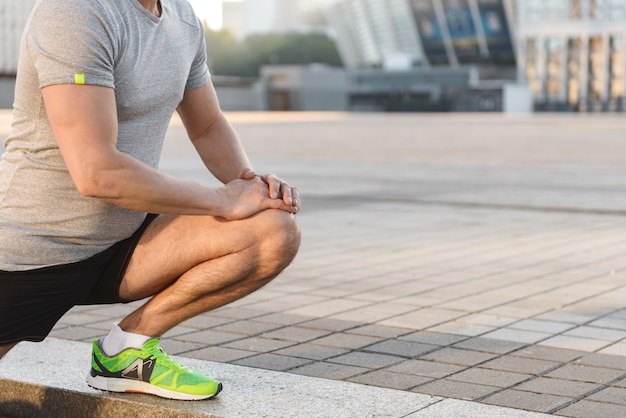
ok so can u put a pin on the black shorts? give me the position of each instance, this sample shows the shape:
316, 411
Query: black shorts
31, 302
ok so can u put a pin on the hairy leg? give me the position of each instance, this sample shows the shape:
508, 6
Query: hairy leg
195, 264
5, 349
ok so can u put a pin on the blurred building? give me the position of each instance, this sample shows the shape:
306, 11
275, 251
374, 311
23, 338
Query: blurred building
572, 53
234, 18
248, 17
303, 88
313, 12
426, 32
440, 55
375, 33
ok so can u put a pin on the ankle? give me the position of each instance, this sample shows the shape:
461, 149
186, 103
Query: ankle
119, 340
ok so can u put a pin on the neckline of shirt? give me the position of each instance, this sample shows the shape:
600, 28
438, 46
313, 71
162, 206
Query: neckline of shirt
145, 12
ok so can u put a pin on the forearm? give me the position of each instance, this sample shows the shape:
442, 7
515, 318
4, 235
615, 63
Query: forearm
133, 185
221, 151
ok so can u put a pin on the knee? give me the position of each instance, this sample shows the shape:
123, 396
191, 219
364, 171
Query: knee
279, 240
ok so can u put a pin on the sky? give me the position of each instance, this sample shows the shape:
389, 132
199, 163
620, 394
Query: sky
209, 10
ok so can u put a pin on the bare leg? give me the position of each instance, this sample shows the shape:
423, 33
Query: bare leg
195, 264
5, 349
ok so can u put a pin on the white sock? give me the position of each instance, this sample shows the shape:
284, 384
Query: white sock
119, 340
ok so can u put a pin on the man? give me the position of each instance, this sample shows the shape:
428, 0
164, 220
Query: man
97, 84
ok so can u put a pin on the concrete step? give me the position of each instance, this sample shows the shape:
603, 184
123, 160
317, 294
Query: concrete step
48, 380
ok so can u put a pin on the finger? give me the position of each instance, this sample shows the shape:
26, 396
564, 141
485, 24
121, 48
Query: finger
274, 184
279, 204
287, 194
295, 197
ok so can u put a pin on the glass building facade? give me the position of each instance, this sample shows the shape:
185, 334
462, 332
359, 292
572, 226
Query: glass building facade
370, 33
427, 32
572, 53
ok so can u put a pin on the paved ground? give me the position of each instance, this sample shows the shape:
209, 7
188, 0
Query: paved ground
477, 257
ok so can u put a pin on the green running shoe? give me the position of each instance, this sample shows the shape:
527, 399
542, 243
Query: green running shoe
148, 370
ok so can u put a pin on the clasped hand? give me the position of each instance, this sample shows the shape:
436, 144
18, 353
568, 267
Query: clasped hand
252, 193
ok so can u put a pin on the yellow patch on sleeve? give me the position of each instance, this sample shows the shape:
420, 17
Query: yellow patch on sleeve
79, 78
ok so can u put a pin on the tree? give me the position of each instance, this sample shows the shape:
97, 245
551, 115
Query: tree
227, 56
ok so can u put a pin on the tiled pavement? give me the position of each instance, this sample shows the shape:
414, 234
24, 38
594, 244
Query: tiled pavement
477, 257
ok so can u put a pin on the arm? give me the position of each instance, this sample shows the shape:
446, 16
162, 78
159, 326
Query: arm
212, 135
219, 146
87, 142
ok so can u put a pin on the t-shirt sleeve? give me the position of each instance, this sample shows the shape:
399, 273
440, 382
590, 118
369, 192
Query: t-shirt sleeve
199, 73
69, 44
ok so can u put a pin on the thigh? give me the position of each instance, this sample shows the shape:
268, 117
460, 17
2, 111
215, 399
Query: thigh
172, 245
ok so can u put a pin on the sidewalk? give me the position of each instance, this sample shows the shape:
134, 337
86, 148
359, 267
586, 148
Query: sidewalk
470, 257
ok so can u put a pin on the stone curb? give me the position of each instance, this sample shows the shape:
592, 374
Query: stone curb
32, 385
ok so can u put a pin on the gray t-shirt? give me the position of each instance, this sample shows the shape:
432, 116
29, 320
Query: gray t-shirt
148, 61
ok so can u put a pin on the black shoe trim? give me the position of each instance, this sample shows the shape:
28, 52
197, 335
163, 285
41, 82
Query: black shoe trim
140, 369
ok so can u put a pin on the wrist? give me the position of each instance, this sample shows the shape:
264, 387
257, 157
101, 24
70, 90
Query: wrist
216, 199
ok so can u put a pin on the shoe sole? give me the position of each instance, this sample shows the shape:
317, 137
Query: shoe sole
137, 386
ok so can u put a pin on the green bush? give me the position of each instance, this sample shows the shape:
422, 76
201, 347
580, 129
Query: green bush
228, 56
